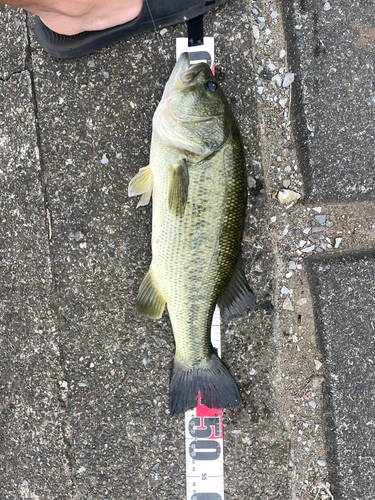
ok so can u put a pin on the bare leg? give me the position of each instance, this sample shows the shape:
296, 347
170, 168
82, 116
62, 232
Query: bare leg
69, 17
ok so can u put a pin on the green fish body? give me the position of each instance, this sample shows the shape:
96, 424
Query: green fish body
197, 178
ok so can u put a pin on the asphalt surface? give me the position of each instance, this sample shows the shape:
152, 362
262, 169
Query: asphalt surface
331, 49
343, 288
84, 379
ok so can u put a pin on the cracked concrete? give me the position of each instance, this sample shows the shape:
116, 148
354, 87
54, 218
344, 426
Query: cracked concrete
83, 379
31, 433
13, 55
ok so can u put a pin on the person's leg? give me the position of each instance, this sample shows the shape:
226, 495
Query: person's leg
69, 17
73, 28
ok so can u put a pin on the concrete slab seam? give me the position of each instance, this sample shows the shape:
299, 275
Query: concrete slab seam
66, 437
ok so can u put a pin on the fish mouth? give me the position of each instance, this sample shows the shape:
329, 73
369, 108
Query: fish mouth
184, 72
182, 66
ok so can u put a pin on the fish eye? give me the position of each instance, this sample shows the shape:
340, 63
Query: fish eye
212, 86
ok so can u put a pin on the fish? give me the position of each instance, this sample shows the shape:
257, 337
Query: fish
197, 179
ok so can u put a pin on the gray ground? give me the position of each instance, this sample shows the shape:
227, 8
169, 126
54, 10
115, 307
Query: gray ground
83, 379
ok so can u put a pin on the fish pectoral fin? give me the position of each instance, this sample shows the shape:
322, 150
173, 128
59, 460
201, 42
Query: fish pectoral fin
142, 183
237, 298
150, 301
178, 189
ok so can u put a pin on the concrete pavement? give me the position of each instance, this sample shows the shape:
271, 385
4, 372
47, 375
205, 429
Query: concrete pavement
83, 379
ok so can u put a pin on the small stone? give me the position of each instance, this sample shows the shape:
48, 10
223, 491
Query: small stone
312, 404
289, 275
286, 196
283, 102
274, 14
286, 183
273, 219
260, 90
285, 290
301, 302
308, 249
306, 230
282, 54
236, 432
252, 371
256, 32
327, 6
292, 265
163, 31
104, 160
302, 243
271, 66
318, 364
311, 239
321, 219
287, 305
337, 242
251, 182
285, 230
317, 209
288, 79
79, 236
277, 79
91, 64
317, 229
290, 464
321, 463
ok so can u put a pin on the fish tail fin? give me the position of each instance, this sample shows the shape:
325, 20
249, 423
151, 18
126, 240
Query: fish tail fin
211, 378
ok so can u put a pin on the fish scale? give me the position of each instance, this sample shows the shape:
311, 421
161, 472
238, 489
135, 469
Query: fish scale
188, 259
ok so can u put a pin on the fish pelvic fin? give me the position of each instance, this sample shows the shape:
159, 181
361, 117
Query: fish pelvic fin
237, 298
178, 189
150, 301
211, 378
142, 183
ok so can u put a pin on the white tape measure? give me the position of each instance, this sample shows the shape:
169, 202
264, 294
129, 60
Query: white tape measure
204, 443
204, 426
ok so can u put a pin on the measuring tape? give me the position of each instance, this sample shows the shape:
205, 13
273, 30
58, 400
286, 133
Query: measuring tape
204, 443
204, 426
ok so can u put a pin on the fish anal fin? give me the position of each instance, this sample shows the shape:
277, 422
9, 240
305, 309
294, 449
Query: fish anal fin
237, 298
150, 301
178, 189
142, 183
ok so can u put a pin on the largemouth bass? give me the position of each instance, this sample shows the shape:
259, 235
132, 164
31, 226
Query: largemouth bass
197, 177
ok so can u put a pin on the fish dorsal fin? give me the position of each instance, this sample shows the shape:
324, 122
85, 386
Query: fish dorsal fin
178, 189
150, 301
237, 298
142, 183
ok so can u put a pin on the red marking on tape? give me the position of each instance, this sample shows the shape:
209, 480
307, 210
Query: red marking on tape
203, 411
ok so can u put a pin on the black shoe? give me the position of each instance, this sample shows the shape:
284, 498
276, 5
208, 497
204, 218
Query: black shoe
164, 13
